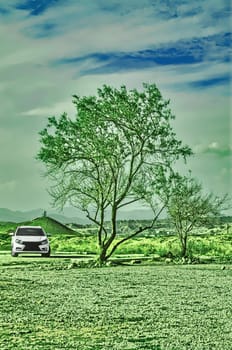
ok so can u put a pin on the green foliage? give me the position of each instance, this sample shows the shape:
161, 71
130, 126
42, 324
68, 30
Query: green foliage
51, 226
61, 243
188, 207
46, 305
109, 155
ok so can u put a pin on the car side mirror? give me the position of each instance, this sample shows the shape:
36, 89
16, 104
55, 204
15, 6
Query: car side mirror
48, 234
11, 233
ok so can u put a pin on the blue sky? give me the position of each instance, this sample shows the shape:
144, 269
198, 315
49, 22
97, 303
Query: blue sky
51, 49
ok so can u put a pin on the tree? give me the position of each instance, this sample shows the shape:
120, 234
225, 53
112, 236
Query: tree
188, 207
107, 156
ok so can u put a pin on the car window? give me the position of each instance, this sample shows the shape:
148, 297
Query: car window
26, 231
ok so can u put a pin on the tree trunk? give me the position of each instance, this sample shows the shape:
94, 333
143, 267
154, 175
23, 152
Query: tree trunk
184, 246
103, 256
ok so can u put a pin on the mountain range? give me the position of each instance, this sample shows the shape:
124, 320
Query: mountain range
68, 215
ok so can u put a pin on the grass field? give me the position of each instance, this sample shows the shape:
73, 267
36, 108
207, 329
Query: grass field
45, 305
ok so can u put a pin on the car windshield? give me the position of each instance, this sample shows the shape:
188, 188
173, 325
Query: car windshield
29, 231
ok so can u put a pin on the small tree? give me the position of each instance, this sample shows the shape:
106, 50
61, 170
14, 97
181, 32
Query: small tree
106, 158
188, 207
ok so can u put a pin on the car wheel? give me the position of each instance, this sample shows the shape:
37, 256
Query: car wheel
46, 255
14, 254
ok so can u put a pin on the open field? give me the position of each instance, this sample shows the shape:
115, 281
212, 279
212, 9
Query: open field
45, 305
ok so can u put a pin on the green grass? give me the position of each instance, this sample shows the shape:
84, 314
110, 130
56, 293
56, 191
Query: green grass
219, 246
45, 305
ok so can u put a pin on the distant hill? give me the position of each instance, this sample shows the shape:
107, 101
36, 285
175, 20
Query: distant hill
18, 216
69, 215
72, 215
50, 225
7, 215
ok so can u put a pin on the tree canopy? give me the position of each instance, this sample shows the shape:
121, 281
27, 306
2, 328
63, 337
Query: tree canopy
110, 154
188, 206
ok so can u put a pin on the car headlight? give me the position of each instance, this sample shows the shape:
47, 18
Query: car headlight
45, 241
19, 241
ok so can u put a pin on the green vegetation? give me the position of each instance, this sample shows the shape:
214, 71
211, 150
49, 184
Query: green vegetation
188, 207
213, 243
110, 156
46, 305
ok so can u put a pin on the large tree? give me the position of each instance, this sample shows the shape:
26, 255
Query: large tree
107, 157
188, 206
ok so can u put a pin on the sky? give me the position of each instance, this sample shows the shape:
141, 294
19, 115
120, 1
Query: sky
52, 49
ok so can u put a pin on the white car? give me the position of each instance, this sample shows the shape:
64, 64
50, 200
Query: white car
30, 239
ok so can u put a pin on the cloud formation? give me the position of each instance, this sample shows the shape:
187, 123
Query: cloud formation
51, 49
215, 148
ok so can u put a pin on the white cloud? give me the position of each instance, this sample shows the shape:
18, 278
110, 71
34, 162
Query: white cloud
214, 147
89, 29
56, 109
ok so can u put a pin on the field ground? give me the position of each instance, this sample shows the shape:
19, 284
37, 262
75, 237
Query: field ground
46, 305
